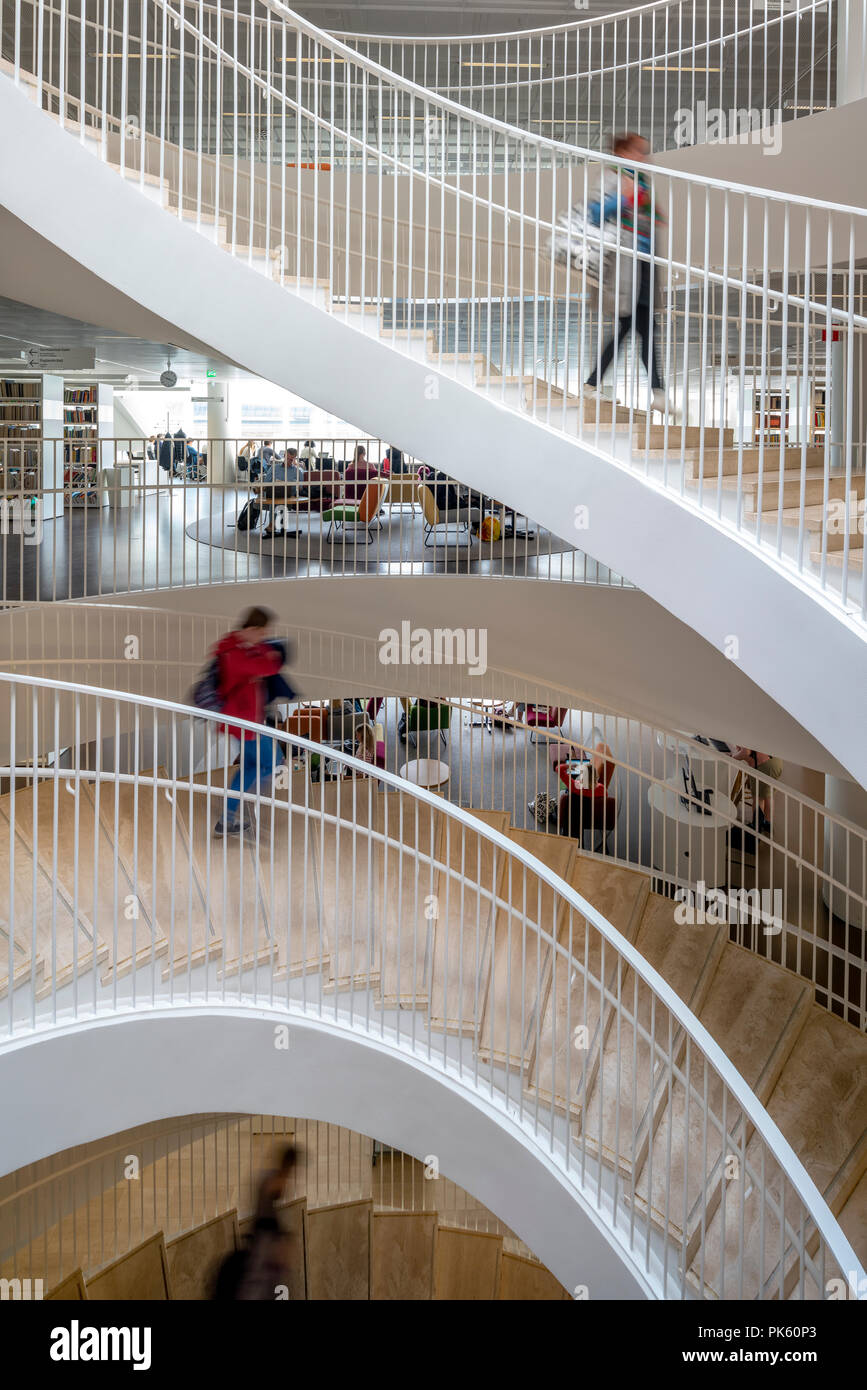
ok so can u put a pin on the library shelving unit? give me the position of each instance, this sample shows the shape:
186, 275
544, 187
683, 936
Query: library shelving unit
771, 417
31, 421
88, 417
819, 405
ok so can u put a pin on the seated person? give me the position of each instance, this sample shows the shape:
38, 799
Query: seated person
267, 452
395, 461
573, 812
277, 471
248, 461
445, 491
771, 767
322, 485
308, 455
185, 458
357, 475
165, 452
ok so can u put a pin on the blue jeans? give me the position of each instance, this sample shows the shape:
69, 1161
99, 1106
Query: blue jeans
252, 767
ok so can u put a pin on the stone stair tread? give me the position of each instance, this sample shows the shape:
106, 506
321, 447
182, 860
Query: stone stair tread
836, 557
820, 1104
686, 957
347, 858
755, 1010
458, 954
229, 872
853, 1219
410, 875
99, 916
290, 879
510, 1021
560, 1068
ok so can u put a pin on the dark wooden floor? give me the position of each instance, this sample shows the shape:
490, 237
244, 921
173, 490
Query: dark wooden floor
92, 551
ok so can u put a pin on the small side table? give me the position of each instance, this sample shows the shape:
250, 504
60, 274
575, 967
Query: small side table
688, 845
425, 772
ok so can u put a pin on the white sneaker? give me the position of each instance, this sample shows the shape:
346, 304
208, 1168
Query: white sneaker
598, 393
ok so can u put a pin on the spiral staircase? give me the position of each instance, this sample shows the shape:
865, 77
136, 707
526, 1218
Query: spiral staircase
716, 1112
439, 283
345, 895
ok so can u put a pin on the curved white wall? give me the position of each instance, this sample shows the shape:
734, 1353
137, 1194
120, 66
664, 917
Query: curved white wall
623, 652
98, 1078
821, 156
808, 658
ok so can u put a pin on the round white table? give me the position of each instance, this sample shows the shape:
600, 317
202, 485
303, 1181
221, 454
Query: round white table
425, 772
686, 844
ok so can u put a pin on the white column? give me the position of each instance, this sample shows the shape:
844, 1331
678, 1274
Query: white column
851, 85
51, 500
851, 50
842, 862
221, 448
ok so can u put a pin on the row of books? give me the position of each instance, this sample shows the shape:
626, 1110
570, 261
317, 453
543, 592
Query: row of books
84, 416
84, 396
20, 412
16, 479
18, 390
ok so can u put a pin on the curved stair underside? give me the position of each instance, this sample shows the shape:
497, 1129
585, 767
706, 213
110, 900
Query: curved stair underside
459, 970
693, 565
361, 1221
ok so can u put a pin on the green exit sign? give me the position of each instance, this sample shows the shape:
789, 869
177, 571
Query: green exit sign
210, 374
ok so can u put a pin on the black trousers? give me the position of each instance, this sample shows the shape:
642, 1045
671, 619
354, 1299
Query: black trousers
642, 323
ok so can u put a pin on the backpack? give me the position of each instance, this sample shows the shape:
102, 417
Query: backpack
205, 694
249, 517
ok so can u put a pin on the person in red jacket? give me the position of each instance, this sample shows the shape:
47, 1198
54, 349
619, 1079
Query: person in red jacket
246, 660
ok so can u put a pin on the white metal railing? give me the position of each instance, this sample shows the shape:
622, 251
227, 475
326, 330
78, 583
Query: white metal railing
83, 1208
649, 68
788, 875
86, 516
762, 325
321, 904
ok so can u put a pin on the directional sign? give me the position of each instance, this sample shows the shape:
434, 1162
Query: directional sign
48, 359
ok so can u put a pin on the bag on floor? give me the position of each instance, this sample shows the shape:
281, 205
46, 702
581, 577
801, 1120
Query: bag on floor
249, 518
544, 808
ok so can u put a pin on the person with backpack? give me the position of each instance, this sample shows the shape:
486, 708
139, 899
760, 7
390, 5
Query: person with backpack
246, 660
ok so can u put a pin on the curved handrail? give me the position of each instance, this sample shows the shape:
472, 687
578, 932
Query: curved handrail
774, 904
482, 119
735, 255
462, 824
613, 18
556, 50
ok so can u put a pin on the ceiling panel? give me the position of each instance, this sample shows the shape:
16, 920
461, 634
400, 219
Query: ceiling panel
22, 326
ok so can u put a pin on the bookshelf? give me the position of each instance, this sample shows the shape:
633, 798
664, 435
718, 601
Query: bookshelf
771, 417
31, 421
88, 417
818, 425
